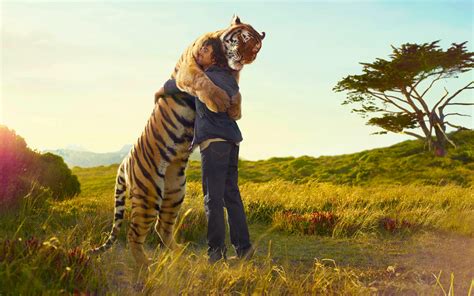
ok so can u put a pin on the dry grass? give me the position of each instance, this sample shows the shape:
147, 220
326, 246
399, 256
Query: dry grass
286, 263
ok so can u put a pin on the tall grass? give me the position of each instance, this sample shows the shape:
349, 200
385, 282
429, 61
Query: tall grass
39, 256
358, 210
42, 251
256, 277
41, 245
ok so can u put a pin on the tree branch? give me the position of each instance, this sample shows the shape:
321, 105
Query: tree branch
445, 136
396, 91
455, 126
424, 77
418, 112
422, 102
411, 103
389, 96
468, 86
463, 104
413, 134
440, 100
432, 82
459, 114
386, 100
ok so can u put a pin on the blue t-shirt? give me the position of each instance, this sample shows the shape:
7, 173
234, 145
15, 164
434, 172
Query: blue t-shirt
208, 124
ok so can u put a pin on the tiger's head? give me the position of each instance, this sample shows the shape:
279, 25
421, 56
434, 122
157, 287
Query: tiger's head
241, 44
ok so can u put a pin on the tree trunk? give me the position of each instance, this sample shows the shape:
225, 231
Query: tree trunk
440, 143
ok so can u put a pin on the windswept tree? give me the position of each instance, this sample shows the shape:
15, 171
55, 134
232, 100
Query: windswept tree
395, 94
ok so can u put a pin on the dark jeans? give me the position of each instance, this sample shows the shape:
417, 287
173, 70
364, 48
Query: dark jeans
219, 163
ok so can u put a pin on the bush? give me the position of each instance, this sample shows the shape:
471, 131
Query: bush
15, 166
320, 223
20, 168
56, 176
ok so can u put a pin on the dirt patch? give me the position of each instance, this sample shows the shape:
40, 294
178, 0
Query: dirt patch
432, 253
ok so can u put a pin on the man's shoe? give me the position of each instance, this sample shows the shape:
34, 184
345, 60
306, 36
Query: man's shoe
215, 257
246, 254
214, 260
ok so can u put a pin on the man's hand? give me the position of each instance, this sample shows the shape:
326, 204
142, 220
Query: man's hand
159, 93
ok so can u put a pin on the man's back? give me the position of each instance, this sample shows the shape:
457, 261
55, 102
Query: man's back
208, 124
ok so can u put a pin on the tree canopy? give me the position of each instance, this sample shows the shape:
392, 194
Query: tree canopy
392, 91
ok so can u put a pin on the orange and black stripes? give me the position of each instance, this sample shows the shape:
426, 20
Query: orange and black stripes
155, 164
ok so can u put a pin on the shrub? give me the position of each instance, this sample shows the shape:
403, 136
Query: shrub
16, 161
20, 168
321, 223
55, 175
393, 225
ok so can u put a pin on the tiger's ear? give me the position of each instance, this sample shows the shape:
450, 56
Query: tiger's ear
235, 20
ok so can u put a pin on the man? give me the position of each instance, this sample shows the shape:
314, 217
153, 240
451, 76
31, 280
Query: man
218, 137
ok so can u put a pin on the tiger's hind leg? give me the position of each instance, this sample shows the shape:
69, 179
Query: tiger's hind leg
143, 215
175, 184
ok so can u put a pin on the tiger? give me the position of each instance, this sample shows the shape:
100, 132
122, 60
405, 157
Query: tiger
241, 45
152, 175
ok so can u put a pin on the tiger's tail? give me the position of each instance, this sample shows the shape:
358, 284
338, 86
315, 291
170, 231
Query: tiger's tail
120, 192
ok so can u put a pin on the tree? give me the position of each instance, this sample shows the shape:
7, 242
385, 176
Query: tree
395, 91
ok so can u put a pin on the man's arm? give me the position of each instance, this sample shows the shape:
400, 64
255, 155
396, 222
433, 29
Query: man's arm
169, 88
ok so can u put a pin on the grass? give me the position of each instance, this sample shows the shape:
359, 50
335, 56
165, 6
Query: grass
350, 257
408, 219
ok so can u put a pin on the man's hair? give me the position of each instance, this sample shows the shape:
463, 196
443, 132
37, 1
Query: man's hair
217, 51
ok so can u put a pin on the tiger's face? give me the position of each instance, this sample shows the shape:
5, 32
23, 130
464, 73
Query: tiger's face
241, 44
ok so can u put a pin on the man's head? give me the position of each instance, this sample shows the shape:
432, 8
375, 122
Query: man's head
211, 53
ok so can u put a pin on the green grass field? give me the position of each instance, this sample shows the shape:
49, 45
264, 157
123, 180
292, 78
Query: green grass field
312, 237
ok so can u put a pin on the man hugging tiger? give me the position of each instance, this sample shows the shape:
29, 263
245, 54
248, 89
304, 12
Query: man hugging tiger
153, 173
211, 53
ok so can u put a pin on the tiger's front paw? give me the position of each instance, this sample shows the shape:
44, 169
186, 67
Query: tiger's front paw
234, 110
234, 113
220, 99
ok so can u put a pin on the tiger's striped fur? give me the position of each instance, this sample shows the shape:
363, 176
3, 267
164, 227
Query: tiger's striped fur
153, 173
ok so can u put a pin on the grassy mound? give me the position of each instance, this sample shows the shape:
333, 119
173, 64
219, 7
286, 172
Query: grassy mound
404, 163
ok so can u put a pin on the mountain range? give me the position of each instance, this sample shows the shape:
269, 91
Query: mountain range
77, 156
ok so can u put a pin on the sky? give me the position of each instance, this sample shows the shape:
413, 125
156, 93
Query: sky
84, 72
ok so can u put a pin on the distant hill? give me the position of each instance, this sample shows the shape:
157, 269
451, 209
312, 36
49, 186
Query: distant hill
404, 163
83, 158
76, 156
